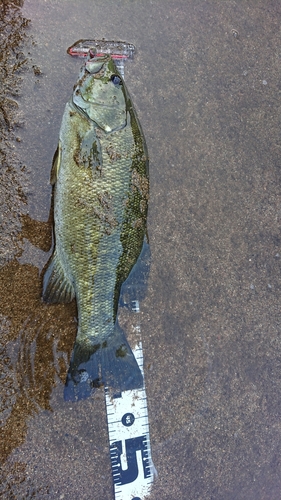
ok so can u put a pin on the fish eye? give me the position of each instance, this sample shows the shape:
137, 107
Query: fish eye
116, 80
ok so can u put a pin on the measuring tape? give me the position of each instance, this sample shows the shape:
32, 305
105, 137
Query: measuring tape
127, 418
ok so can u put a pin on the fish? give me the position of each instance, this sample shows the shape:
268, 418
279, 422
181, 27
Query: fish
100, 185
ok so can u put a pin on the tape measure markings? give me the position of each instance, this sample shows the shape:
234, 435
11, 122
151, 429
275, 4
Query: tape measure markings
128, 431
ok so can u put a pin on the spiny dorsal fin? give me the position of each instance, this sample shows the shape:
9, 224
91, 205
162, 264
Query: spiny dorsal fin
57, 288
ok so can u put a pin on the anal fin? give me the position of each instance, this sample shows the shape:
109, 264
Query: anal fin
57, 288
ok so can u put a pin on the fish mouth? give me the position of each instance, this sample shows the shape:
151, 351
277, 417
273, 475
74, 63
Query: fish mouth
95, 64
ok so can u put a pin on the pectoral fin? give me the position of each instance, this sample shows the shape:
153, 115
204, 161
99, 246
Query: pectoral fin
57, 288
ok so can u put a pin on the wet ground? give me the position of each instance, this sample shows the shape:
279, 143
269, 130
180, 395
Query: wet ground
206, 84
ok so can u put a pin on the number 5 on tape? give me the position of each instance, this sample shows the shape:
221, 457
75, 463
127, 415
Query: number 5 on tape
128, 430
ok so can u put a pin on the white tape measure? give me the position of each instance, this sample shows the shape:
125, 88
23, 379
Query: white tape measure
128, 429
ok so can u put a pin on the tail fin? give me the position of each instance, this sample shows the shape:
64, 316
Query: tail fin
110, 362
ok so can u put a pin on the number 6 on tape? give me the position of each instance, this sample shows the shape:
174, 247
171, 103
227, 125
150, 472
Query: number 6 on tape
128, 430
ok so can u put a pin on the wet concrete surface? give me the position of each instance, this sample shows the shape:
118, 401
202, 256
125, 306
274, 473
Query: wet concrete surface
206, 84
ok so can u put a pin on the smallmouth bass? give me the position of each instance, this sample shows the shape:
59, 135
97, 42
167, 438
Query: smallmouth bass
100, 188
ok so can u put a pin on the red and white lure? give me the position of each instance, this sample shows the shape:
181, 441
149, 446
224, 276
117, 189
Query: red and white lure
119, 51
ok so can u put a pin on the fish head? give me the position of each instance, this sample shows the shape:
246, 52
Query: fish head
100, 93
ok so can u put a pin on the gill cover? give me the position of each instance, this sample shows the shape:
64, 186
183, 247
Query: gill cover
100, 93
